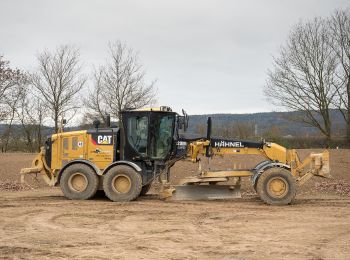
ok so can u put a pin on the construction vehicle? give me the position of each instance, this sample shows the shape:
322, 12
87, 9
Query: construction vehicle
124, 161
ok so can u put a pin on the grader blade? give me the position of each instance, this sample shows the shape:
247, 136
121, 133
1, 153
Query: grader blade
205, 192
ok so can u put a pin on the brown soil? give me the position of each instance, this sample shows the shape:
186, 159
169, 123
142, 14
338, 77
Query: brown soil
10, 166
41, 223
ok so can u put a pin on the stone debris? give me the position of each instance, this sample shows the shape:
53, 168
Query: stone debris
338, 186
13, 186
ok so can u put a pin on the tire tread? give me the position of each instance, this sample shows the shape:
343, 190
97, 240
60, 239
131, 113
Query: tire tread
90, 175
262, 183
136, 188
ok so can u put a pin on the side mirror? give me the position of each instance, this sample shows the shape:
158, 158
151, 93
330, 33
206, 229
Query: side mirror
61, 126
186, 119
108, 120
183, 121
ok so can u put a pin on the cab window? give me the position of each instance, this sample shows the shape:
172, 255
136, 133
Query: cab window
161, 140
137, 133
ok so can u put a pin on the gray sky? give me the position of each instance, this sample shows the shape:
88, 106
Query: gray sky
208, 56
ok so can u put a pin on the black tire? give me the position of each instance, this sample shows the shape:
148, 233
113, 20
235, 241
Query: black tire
79, 182
145, 189
122, 183
276, 186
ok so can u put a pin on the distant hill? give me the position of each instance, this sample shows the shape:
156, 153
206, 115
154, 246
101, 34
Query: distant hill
263, 122
46, 130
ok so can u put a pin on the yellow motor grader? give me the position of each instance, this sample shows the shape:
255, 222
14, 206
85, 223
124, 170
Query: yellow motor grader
124, 161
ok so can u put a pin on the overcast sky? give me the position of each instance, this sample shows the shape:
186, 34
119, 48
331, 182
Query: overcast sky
207, 56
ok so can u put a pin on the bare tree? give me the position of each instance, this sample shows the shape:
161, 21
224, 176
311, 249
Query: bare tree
120, 83
31, 113
303, 77
237, 129
9, 78
243, 129
339, 25
11, 81
58, 80
273, 133
11, 103
97, 107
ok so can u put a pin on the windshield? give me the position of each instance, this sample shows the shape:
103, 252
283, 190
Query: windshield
162, 136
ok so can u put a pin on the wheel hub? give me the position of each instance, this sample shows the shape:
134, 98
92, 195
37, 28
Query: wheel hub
78, 182
277, 187
121, 183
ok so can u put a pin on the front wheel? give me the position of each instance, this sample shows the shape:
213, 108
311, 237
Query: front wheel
276, 186
79, 182
122, 183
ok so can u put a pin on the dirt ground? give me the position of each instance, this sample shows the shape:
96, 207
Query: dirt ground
39, 223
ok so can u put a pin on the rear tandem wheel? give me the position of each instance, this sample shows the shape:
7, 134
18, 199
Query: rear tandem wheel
122, 183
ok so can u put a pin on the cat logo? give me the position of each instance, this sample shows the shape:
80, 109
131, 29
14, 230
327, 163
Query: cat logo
102, 139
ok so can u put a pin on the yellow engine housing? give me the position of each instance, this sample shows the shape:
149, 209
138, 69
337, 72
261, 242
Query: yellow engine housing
74, 145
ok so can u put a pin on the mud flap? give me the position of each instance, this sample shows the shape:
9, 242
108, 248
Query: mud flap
205, 192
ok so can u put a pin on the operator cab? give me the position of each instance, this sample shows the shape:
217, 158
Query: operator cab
149, 134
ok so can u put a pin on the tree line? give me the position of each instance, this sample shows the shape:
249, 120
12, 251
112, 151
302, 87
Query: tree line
58, 88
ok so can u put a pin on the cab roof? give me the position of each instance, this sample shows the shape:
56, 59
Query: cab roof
157, 109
